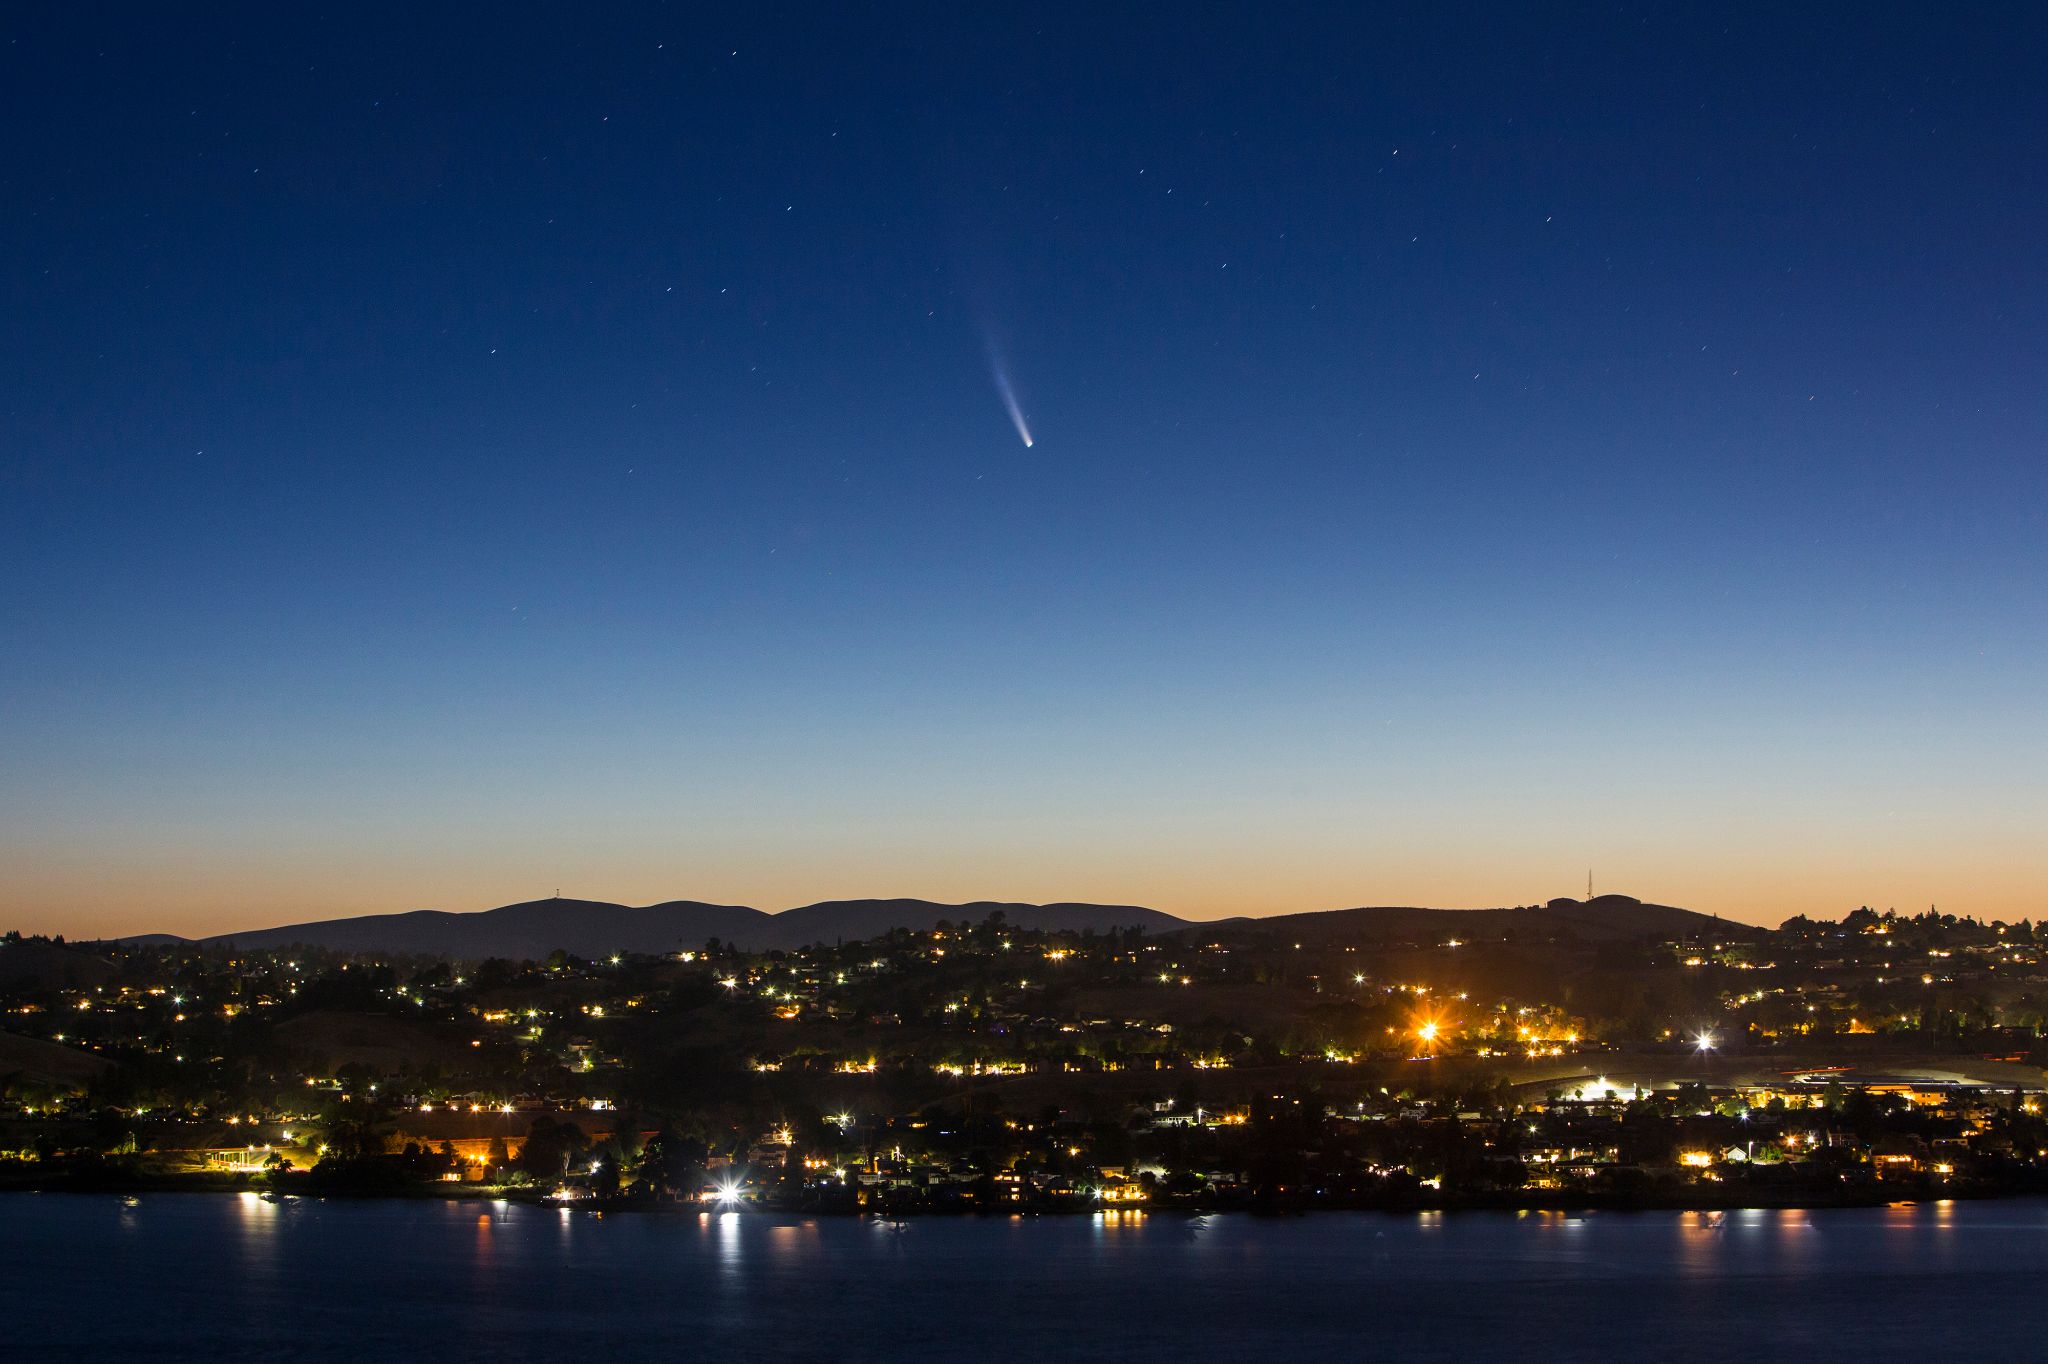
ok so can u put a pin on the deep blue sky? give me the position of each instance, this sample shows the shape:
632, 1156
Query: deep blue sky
450, 458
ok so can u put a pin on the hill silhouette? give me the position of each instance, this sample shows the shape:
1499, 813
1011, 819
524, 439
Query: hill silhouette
1604, 918
41, 964
595, 928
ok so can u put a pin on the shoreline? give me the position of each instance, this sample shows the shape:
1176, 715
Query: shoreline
1560, 1204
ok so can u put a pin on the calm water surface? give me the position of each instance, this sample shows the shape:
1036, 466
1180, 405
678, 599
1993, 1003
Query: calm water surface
205, 1277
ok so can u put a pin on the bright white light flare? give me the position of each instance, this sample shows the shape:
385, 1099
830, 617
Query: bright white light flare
1000, 371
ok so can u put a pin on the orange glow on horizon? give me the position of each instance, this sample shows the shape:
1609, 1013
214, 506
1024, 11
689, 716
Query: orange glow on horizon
195, 893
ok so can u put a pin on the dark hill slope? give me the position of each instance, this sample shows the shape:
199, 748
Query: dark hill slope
34, 964
592, 928
47, 1063
588, 928
1605, 918
831, 920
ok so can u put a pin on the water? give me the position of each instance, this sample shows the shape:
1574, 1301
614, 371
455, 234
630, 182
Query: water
204, 1277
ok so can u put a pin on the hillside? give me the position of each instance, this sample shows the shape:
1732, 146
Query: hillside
595, 928
49, 965
588, 928
326, 1039
1605, 918
592, 928
32, 1060
851, 919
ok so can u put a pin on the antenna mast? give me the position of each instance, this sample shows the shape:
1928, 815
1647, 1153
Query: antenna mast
1589, 883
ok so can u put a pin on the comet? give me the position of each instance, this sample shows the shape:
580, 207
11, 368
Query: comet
1001, 373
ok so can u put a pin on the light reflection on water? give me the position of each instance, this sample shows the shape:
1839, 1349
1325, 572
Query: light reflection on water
209, 1278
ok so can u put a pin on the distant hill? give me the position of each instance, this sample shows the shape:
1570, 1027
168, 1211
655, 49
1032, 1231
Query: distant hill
836, 919
52, 966
587, 928
1604, 918
594, 928
47, 1063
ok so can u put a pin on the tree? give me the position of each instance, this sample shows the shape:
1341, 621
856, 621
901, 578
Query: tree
111, 1134
673, 1164
550, 1146
353, 1129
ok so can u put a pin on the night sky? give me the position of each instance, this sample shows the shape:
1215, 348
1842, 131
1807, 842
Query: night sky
443, 460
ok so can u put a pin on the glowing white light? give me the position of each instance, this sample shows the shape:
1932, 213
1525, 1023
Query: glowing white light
1001, 373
